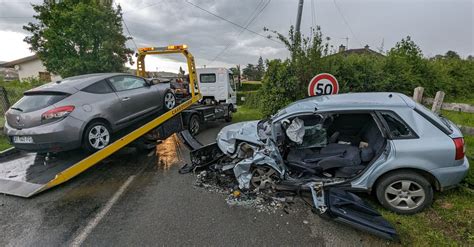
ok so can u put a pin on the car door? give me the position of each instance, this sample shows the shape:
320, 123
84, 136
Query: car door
137, 98
345, 207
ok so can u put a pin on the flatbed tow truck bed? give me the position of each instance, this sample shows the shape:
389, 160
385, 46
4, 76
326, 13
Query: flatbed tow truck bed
27, 174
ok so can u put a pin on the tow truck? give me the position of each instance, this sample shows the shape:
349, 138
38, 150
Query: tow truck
27, 174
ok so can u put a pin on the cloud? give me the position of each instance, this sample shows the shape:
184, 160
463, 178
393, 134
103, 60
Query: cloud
437, 26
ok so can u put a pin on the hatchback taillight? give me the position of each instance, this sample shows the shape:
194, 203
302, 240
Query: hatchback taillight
58, 112
460, 149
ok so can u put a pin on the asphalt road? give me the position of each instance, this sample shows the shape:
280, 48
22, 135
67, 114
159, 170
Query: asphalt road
136, 199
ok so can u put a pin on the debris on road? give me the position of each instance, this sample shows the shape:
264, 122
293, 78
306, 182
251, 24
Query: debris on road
267, 201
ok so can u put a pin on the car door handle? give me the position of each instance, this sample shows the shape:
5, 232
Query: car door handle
125, 99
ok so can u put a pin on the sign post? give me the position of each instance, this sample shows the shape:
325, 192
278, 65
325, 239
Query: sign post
323, 84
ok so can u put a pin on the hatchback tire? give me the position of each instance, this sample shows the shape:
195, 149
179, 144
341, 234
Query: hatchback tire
96, 136
169, 100
405, 192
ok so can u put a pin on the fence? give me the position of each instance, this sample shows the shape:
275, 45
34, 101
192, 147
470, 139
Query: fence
438, 104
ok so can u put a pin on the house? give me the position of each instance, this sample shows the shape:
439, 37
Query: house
31, 67
359, 51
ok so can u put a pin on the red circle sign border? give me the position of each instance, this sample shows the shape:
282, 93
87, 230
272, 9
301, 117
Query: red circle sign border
319, 77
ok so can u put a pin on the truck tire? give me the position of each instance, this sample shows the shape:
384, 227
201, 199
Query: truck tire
194, 124
228, 118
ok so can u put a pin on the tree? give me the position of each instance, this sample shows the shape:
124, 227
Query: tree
260, 69
74, 37
236, 72
250, 71
181, 72
452, 55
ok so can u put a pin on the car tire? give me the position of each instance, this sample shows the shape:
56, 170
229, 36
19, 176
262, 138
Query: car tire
97, 136
169, 100
228, 118
194, 125
404, 192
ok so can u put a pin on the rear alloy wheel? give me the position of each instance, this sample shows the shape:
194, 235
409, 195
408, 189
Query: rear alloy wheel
169, 101
97, 136
264, 177
405, 192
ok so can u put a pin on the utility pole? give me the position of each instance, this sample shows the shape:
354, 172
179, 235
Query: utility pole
298, 16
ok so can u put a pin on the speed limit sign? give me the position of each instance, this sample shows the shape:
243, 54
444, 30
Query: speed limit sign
323, 84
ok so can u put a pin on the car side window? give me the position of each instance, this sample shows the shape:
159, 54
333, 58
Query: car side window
123, 83
100, 87
397, 127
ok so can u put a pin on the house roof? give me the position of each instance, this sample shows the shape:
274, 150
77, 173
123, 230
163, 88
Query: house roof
361, 51
11, 64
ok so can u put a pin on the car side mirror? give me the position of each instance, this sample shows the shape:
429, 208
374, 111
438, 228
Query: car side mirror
153, 81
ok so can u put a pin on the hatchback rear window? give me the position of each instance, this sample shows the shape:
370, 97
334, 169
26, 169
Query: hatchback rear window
33, 102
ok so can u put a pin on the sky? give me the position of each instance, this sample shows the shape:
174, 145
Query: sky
217, 39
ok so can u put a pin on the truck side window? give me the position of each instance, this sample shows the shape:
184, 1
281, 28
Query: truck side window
207, 78
231, 81
397, 127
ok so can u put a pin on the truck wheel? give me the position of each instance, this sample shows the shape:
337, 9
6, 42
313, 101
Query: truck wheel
228, 118
404, 192
194, 125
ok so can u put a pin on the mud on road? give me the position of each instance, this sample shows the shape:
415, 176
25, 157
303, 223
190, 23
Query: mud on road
139, 198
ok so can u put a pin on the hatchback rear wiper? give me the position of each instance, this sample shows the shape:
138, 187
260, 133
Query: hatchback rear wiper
16, 108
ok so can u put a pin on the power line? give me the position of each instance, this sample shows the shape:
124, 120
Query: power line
347, 23
313, 15
141, 8
231, 22
128, 31
249, 22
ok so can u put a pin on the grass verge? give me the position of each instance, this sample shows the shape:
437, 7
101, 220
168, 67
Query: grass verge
460, 118
4, 143
245, 113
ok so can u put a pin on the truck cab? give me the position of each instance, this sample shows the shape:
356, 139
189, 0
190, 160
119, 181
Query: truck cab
217, 86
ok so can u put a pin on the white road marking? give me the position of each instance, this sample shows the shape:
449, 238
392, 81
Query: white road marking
95, 221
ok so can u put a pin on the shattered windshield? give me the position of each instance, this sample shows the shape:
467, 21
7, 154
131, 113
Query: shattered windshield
264, 128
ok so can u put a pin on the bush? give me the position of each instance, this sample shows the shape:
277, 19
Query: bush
401, 70
15, 89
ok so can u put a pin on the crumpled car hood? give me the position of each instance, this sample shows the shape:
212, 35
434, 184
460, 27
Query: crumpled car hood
243, 131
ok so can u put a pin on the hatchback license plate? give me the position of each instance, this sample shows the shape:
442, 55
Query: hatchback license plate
23, 139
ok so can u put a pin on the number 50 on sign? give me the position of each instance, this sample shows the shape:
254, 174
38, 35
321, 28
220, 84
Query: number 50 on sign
323, 84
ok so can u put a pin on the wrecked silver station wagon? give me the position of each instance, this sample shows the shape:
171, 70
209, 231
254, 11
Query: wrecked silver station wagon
330, 145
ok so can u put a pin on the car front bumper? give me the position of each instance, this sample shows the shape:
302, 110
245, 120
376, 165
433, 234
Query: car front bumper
58, 136
449, 177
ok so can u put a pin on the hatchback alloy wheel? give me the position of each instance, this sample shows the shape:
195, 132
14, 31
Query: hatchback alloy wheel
404, 194
99, 137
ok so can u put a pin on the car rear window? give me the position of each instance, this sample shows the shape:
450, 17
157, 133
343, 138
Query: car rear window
207, 78
33, 102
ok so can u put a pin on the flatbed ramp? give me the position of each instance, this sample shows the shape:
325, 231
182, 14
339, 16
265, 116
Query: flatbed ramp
26, 174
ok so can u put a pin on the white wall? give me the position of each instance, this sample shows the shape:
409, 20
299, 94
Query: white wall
32, 68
